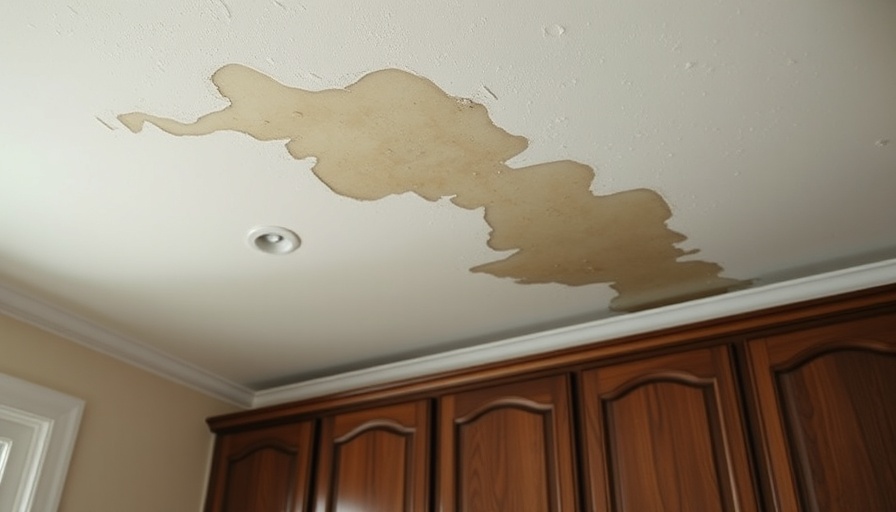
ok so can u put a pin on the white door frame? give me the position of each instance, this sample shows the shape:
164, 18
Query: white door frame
53, 418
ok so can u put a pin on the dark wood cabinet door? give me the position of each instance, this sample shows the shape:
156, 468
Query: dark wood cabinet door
826, 401
507, 449
262, 470
375, 460
666, 434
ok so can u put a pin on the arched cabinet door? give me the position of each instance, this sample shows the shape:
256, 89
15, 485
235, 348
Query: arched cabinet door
507, 448
262, 470
375, 460
826, 402
666, 433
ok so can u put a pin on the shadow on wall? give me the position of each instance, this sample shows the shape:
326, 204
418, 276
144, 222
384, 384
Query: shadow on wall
393, 132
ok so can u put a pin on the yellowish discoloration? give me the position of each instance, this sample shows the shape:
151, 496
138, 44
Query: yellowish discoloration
393, 132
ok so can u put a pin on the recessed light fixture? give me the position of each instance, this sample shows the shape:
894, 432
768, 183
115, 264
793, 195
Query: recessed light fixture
273, 240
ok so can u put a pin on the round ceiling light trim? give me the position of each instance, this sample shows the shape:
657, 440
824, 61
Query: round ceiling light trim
274, 240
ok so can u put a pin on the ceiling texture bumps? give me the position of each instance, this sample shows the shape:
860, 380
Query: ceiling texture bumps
465, 176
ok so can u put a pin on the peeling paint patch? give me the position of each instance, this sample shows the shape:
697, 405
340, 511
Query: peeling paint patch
393, 132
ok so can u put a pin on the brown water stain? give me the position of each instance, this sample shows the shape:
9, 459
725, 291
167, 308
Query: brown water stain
393, 132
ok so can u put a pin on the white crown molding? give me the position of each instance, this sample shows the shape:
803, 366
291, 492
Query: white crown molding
129, 350
86, 333
752, 299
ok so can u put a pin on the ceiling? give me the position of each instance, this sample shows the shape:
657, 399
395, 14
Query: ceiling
471, 173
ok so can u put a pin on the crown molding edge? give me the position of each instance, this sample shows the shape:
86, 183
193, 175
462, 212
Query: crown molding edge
131, 351
84, 332
743, 301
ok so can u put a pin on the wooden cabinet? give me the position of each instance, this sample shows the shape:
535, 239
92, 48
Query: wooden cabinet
375, 460
790, 410
826, 404
508, 448
262, 470
666, 433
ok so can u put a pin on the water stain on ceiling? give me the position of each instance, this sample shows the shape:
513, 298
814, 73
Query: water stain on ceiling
393, 132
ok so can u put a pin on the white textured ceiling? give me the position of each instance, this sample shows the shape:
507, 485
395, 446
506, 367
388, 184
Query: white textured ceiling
765, 125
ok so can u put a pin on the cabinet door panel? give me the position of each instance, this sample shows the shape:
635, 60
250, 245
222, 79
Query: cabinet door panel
508, 448
665, 433
263, 470
826, 398
375, 460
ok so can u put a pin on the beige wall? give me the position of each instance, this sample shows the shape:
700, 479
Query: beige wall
143, 445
